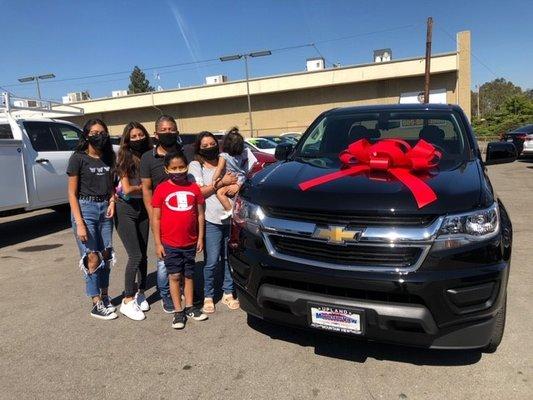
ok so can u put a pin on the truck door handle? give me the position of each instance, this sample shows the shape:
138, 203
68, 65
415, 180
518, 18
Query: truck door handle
42, 161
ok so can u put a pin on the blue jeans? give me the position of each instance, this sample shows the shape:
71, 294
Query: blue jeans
162, 284
216, 238
99, 239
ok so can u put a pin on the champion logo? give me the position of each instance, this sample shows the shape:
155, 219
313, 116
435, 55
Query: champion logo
179, 201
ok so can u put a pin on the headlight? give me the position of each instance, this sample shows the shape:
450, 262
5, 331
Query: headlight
247, 215
469, 227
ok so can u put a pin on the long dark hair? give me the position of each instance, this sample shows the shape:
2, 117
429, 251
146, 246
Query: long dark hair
198, 142
127, 161
108, 155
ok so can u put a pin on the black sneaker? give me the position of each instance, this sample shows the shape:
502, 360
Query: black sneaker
195, 313
179, 320
107, 303
100, 311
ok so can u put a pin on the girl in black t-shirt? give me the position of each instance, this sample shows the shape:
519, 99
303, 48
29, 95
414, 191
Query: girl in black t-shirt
131, 218
92, 202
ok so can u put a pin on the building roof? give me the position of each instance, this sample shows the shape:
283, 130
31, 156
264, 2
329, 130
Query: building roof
400, 68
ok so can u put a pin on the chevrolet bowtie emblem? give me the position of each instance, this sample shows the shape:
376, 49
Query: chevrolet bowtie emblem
337, 234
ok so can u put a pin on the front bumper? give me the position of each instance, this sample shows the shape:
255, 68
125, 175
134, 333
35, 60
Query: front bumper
449, 303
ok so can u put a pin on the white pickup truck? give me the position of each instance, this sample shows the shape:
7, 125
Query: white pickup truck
34, 152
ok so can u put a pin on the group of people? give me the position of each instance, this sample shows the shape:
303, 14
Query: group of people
183, 194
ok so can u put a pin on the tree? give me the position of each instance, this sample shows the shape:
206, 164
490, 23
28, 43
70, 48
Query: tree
138, 82
493, 95
517, 105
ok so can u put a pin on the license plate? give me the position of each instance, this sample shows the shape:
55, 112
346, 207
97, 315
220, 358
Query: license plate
510, 140
336, 319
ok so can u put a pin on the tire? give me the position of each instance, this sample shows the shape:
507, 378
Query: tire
499, 327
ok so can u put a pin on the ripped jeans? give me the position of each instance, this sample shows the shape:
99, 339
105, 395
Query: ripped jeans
99, 240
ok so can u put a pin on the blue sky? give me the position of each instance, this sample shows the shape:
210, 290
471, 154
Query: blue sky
78, 38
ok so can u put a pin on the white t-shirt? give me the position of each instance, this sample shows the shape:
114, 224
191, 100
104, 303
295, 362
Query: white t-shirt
204, 177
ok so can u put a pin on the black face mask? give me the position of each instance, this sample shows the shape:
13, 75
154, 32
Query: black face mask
168, 140
209, 153
98, 141
139, 146
178, 178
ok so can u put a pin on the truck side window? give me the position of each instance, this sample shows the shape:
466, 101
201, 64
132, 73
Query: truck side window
67, 136
41, 136
5, 132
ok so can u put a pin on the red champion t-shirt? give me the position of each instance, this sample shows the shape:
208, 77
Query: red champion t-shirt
179, 212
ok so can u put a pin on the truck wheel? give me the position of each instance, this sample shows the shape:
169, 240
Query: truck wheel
499, 327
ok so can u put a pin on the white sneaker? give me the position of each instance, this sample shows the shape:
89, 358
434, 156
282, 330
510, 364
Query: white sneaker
132, 310
141, 301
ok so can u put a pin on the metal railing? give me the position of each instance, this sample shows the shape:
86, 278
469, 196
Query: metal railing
10, 104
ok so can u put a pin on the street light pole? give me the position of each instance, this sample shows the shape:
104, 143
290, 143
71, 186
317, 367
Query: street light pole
38, 87
245, 56
248, 95
36, 79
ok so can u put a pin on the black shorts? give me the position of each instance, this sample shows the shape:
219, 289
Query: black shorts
180, 260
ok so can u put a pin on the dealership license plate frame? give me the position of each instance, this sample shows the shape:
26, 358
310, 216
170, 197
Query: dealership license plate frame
333, 308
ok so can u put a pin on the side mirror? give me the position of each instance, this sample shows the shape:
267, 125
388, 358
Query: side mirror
283, 150
500, 153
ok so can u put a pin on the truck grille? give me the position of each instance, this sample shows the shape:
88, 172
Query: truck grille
346, 218
357, 255
346, 292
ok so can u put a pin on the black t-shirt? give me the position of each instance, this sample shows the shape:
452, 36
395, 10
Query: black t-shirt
153, 166
94, 176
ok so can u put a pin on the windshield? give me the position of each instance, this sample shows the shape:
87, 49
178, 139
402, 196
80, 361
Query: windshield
334, 133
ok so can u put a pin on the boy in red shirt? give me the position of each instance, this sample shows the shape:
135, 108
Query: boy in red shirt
178, 222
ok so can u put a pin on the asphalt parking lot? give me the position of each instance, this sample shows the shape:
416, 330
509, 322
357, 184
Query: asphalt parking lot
51, 348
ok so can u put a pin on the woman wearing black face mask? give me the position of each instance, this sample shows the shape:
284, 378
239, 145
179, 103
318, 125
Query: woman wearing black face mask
216, 229
92, 202
132, 219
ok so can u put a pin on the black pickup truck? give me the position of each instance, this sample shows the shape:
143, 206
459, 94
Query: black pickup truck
380, 223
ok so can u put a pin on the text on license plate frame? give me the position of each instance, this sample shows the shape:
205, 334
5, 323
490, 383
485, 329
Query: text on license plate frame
336, 319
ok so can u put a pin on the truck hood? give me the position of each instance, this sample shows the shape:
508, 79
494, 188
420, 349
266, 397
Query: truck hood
459, 188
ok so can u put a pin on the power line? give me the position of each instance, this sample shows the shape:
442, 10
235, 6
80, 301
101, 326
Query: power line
294, 47
471, 52
369, 33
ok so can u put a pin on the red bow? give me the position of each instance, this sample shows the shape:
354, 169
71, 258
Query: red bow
393, 156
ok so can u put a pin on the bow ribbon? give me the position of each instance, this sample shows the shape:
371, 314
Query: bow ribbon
393, 156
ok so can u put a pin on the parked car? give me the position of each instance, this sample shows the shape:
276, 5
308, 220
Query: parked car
342, 244
34, 154
263, 145
280, 139
294, 135
528, 146
518, 137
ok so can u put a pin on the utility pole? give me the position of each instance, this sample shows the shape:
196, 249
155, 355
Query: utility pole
428, 59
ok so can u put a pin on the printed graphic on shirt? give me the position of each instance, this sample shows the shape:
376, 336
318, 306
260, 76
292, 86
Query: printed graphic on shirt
178, 201
100, 170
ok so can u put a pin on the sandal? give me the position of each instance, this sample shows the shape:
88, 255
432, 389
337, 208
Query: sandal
209, 306
231, 302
